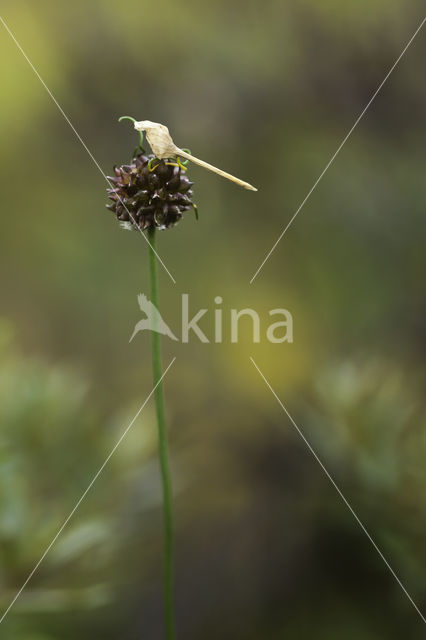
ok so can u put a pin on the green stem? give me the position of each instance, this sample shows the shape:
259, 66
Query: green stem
162, 450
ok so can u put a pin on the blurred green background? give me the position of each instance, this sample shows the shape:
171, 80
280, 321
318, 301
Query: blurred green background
265, 547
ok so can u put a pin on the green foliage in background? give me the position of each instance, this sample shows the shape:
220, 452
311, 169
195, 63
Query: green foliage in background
265, 547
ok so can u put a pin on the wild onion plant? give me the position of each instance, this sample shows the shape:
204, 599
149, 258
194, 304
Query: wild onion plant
151, 193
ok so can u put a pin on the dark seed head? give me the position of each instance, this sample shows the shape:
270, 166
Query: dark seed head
149, 192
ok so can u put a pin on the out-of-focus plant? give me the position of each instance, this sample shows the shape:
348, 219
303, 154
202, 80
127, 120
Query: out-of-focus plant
370, 425
51, 444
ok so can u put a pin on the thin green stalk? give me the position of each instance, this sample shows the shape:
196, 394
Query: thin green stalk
162, 450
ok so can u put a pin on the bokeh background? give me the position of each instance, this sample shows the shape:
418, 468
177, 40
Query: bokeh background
265, 547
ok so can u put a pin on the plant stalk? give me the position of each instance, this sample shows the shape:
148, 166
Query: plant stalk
163, 452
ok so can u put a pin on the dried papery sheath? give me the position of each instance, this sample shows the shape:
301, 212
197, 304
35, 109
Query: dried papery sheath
150, 192
162, 145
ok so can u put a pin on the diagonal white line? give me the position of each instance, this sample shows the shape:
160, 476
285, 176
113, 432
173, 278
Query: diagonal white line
82, 142
78, 503
339, 148
299, 431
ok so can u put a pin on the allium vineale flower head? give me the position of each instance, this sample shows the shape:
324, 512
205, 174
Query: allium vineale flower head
150, 192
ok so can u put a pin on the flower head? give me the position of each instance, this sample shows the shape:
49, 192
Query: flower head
150, 192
